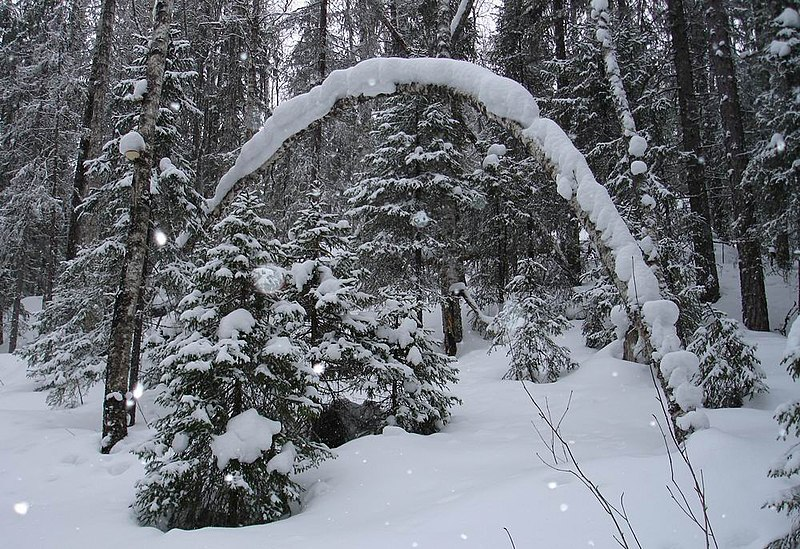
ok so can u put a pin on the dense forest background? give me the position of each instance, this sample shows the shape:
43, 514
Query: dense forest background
118, 118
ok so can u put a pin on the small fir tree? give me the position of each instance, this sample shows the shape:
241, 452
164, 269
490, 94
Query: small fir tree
409, 378
730, 372
527, 324
788, 416
239, 390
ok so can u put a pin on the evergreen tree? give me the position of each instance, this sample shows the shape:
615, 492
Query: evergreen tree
527, 324
407, 376
69, 355
239, 390
730, 372
788, 416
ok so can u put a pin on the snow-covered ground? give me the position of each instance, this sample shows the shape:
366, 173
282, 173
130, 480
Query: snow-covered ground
460, 488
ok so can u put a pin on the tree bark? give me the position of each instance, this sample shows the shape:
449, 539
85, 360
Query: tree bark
322, 69
702, 238
133, 272
751, 272
16, 311
92, 116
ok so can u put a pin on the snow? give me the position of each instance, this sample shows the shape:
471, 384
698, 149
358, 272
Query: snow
246, 437
131, 141
637, 146
478, 476
139, 89
462, 7
237, 322
490, 160
501, 96
283, 462
638, 167
789, 17
497, 149
420, 219
599, 5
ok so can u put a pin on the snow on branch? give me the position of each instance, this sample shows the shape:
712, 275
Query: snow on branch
510, 104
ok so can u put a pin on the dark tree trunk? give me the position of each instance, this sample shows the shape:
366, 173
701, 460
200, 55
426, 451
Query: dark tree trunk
133, 272
322, 69
16, 312
783, 256
452, 325
751, 272
92, 116
689, 111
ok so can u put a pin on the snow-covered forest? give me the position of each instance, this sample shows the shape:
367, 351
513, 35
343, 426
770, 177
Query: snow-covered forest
372, 273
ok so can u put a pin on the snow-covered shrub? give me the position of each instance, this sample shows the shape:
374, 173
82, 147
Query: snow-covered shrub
730, 372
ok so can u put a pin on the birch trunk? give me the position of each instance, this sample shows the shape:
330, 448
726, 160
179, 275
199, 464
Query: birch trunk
751, 271
127, 299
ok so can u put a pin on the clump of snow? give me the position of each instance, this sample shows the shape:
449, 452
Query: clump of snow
648, 201
619, 318
637, 146
497, 149
457, 288
490, 160
246, 437
789, 17
269, 278
696, 420
283, 462
778, 142
780, 48
234, 323
660, 317
599, 5
679, 360
139, 89
302, 272
421, 219
131, 142
638, 167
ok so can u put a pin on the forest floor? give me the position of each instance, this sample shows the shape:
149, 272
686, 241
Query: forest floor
461, 488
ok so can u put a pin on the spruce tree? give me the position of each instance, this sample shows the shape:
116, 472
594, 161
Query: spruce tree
407, 376
730, 372
238, 388
788, 415
527, 324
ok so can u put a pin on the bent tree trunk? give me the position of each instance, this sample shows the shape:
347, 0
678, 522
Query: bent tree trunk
124, 321
702, 239
751, 271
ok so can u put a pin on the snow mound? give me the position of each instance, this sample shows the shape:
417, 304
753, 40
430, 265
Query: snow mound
130, 142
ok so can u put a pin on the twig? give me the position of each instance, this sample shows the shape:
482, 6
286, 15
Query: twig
510, 538
704, 523
618, 516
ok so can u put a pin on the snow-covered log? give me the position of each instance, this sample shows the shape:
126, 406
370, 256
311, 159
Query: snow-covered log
511, 105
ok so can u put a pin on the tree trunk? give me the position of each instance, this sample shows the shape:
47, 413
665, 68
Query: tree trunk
783, 257
133, 272
452, 325
16, 312
92, 116
751, 272
702, 238
322, 69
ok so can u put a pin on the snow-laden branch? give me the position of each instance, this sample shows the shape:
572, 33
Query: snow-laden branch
512, 105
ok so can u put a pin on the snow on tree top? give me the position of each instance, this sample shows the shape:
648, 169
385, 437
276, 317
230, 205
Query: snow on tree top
637, 146
246, 437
